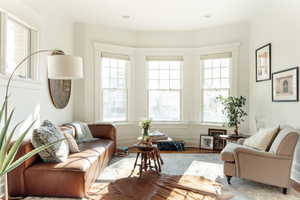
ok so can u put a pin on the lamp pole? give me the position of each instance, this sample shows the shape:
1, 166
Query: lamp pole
54, 52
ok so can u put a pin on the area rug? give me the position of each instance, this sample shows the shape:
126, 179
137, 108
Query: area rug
151, 186
206, 165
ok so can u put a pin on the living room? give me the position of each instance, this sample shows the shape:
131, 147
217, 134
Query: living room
121, 70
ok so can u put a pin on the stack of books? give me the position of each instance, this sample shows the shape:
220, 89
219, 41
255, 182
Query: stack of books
157, 135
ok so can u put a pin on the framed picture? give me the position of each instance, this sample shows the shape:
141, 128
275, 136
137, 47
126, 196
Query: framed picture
206, 142
218, 142
263, 63
285, 85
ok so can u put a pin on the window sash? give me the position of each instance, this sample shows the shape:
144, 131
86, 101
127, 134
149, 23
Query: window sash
212, 78
116, 87
166, 90
28, 65
126, 104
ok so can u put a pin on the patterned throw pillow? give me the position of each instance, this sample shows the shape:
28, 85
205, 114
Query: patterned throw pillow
83, 133
48, 133
73, 146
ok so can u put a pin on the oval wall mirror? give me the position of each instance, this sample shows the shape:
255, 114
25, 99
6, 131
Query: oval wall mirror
60, 92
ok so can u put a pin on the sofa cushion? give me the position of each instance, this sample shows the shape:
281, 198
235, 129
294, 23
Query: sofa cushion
262, 139
89, 153
49, 133
227, 153
285, 142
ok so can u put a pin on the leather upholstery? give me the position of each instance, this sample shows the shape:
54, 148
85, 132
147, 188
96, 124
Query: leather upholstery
71, 178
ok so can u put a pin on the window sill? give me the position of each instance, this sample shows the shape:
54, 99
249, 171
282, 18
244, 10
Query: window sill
20, 82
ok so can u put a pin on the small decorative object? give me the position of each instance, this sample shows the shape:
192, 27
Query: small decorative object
145, 125
234, 111
263, 63
285, 85
218, 142
206, 142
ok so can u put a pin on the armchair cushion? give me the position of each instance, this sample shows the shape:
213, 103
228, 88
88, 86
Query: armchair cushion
263, 139
227, 153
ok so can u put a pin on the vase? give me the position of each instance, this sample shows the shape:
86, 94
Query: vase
236, 130
3, 187
145, 132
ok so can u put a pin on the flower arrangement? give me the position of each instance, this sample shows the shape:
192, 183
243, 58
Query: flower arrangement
145, 125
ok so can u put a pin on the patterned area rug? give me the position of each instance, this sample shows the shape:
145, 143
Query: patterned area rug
206, 165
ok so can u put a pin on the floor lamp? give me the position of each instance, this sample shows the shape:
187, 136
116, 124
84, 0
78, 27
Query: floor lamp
60, 66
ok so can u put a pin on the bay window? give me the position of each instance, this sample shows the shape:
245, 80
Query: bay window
114, 87
164, 88
215, 82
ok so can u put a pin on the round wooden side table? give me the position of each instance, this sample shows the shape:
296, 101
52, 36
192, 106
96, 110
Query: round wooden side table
147, 159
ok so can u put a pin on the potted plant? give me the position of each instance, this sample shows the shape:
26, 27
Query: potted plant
234, 111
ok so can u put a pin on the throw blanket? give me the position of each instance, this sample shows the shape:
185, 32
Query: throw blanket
83, 133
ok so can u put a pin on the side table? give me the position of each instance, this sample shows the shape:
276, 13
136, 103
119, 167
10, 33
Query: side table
149, 159
231, 138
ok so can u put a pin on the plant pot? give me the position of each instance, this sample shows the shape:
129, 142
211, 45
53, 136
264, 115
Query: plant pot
145, 132
3, 187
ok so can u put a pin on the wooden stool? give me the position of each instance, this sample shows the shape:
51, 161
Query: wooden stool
149, 160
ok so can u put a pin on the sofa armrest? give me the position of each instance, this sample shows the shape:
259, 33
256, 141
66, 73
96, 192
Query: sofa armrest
104, 131
263, 167
256, 153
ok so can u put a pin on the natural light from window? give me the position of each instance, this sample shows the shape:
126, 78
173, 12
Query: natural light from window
114, 89
164, 90
216, 82
17, 47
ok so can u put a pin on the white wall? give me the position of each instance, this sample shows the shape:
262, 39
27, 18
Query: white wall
85, 37
33, 97
279, 25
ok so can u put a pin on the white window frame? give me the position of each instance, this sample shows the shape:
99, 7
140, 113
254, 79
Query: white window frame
32, 72
116, 89
179, 90
202, 89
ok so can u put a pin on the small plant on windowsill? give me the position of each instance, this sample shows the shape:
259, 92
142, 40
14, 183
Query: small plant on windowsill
233, 110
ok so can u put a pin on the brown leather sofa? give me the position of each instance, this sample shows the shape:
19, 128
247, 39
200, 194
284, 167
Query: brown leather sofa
71, 178
272, 167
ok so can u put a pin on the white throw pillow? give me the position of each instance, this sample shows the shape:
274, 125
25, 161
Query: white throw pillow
262, 139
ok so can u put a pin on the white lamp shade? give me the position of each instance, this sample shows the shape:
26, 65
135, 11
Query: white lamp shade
65, 67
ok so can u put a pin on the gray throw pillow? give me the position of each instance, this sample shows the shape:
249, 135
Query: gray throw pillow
48, 133
83, 133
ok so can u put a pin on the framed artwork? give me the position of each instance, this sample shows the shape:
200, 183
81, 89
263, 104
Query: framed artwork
285, 85
218, 142
206, 142
263, 63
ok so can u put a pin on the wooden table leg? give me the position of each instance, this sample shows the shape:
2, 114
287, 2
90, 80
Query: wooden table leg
135, 163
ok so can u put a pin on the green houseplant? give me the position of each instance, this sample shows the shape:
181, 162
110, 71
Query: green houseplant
8, 147
234, 110
145, 125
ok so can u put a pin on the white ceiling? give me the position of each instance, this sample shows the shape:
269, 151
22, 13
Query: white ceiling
151, 14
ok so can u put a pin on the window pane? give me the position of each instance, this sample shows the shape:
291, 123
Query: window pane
164, 84
17, 47
114, 84
153, 74
175, 74
164, 74
153, 84
175, 84
216, 78
164, 105
114, 105
212, 110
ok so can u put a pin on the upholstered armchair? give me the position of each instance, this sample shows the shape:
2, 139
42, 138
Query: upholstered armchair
272, 167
